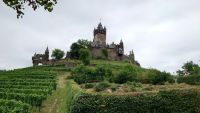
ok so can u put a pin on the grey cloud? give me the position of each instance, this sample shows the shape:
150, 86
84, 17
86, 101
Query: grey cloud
163, 34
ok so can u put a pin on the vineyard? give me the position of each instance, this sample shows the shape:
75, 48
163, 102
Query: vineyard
22, 89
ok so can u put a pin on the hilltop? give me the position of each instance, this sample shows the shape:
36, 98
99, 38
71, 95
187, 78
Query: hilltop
104, 86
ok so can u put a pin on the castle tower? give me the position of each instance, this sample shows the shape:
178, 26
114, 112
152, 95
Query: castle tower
121, 48
46, 54
99, 36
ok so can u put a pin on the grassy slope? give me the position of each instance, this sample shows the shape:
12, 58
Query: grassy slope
56, 103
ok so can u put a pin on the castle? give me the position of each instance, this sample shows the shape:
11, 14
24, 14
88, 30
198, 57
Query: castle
41, 58
115, 51
99, 50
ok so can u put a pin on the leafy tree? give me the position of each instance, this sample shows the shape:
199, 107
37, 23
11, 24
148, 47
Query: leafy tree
85, 56
57, 54
77, 46
19, 5
189, 68
84, 43
180, 73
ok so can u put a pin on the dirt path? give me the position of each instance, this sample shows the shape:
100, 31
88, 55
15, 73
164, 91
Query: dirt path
56, 103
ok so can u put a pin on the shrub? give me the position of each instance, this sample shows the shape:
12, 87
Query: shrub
157, 77
191, 79
100, 72
122, 77
113, 87
85, 56
131, 71
84, 74
89, 85
101, 86
174, 101
169, 101
135, 84
81, 74
109, 75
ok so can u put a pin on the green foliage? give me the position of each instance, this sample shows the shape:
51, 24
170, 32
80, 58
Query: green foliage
73, 90
12, 106
101, 86
81, 73
104, 53
89, 85
173, 101
19, 5
57, 54
122, 77
77, 46
122, 73
109, 76
84, 74
2, 70
85, 56
135, 84
128, 73
192, 79
100, 72
189, 68
157, 77
29, 85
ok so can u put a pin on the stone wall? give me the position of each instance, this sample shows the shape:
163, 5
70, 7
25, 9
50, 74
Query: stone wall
96, 52
112, 54
100, 40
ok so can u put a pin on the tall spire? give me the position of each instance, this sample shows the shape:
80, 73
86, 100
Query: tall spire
47, 50
100, 26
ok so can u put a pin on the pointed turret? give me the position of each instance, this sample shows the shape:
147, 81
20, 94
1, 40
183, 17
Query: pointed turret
47, 54
47, 50
121, 48
100, 26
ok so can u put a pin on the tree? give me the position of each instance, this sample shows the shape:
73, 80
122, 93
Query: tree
84, 43
77, 46
85, 56
57, 54
189, 68
19, 5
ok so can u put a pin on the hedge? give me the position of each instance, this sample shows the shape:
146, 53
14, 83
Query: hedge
191, 79
170, 101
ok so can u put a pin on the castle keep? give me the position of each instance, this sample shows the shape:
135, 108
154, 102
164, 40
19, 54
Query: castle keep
115, 51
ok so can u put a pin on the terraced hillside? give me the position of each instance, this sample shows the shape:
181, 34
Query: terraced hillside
24, 89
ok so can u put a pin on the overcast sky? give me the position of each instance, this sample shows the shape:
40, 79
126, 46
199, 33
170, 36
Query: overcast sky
163, 34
